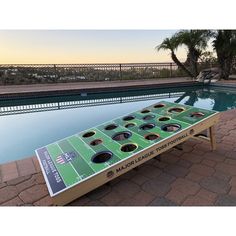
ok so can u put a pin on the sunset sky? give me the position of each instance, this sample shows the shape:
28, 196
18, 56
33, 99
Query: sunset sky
83, 46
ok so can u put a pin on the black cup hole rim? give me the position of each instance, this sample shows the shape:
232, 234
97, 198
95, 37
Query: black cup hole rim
145, 111
102, 157
164, 118
197, 114
111, 126
147, 125
89, 134
148, 117
176, 109
159, 105
130, 124
133, 147
96, 142
151, 134
178, 126
119, 134
129, 117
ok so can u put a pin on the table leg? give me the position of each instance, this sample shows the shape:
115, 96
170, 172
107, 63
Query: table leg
212, 137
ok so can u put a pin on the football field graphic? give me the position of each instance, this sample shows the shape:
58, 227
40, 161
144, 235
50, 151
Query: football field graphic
112, 148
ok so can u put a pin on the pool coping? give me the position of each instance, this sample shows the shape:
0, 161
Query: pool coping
9, 92
60, 89
224, 85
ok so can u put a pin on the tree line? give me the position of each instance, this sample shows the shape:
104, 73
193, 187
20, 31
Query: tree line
196, 42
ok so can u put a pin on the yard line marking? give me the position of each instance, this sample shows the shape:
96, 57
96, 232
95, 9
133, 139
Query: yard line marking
110, 150
107, 136
134, 132
90, 148
70, 163
117, 141
159, 116
143, 140
106, 146
84, 142
81, 155
119, 131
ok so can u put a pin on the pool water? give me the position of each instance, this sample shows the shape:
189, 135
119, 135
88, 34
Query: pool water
21, 134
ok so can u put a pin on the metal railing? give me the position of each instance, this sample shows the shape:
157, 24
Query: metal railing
52, 73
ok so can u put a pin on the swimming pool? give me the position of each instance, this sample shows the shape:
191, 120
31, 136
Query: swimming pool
23, 128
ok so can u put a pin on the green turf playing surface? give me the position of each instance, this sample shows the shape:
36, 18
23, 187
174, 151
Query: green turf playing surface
70, 161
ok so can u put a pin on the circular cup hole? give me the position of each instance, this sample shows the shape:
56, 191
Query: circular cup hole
176, 110
197, 114
95, 142
102, 157
144, 111
122, 135
159, 105
164, 118
111, 127
129, 125
127, 118
171, 127
147, 126
148, 117
129, 147
88, 134
151, 136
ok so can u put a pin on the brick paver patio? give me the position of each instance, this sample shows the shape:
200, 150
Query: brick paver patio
194, 176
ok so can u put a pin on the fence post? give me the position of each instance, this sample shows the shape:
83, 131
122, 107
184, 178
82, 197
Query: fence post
75, 73
170, 69
120, 73
55, 71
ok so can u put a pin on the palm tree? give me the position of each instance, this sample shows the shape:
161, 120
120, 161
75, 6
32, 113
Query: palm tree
171, 44
225, 47
195, 41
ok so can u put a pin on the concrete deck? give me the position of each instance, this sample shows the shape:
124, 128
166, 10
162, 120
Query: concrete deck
195, 176
32, 89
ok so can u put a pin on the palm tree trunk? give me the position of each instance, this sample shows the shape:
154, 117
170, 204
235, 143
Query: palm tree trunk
179, 64
228, 64
193, 56
225, 66
194, 67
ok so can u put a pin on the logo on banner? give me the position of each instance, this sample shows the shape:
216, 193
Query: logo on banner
66, 157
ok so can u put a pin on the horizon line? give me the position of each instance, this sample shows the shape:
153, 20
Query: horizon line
101, 63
